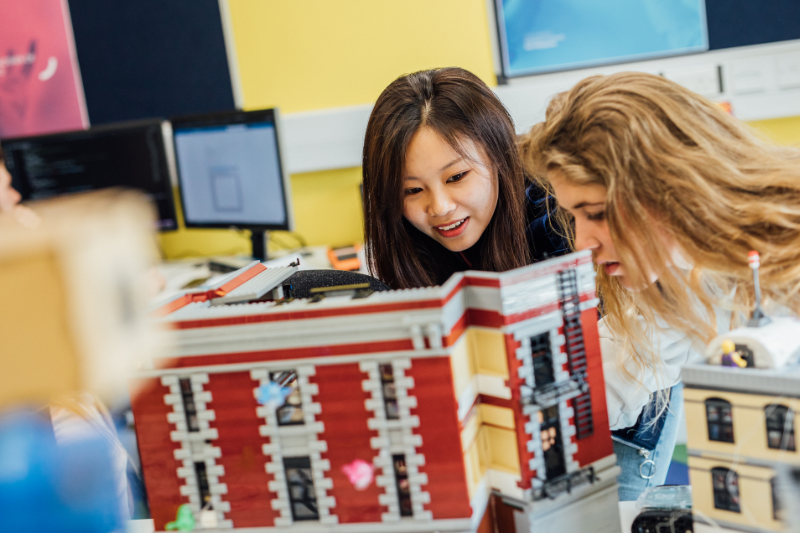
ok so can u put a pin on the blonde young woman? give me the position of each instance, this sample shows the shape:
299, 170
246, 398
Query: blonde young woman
670, 193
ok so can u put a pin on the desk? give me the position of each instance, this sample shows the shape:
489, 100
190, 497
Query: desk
177, 274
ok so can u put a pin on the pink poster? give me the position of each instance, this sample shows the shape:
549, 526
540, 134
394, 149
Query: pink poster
40, 87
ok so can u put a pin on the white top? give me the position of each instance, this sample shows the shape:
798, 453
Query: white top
627, 398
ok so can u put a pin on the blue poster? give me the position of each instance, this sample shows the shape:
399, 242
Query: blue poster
547, 35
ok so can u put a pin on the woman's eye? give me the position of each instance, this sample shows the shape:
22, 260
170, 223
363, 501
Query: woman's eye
457, 177
600, 215
412, 190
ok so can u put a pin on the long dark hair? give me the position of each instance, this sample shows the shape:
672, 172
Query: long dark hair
458, 106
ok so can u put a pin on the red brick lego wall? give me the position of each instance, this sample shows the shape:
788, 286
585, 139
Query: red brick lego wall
599, 445
441, 441
159, 466
240, 445
345, 416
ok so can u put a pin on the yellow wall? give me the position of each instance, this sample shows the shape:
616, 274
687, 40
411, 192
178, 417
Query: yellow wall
489, 441
478, 351
749, 425
488, 347
781, 130
305, 55
755, 494
462, 365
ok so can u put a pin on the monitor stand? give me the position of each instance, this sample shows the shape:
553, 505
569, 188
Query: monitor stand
258, 238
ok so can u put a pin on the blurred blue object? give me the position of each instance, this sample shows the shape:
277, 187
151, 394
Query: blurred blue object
46, 488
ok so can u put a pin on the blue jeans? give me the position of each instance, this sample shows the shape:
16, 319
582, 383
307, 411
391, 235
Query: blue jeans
639, 472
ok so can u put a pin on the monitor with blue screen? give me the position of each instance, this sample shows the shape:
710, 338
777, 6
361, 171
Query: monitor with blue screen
230, 172
538, 36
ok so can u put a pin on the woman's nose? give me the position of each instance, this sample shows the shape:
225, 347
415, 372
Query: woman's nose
440, 204
584, 238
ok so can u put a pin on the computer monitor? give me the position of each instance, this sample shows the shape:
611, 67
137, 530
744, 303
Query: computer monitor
231, 173
537, 36
131, 155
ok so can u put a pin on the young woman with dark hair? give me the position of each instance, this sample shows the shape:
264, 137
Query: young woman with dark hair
444, 189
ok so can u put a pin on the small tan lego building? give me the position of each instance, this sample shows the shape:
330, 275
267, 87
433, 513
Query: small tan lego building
741, 425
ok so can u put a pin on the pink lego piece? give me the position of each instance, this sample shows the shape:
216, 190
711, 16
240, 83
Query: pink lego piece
360, 473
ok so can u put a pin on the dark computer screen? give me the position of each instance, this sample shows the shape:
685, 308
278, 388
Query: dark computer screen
131, 156
230, 171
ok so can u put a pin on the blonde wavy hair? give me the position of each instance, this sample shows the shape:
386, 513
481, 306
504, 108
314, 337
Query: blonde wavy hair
679, 173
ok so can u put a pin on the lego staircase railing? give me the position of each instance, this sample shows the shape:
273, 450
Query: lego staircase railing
553, 488
576, 352
555, 392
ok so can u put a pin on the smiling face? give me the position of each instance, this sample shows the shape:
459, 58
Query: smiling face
449, 197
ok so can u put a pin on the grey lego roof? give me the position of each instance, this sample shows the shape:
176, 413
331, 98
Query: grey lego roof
783, 382
258, 286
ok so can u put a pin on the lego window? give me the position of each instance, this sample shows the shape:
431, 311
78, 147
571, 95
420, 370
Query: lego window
747, 354
780, 427
552, 446
719, 417
202, 484
291, 412
300, 481
189, 408
777, 510
542, 359
403, 486
389, 392
726, 489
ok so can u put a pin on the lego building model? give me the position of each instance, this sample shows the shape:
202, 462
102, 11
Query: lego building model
740, 414
425, 410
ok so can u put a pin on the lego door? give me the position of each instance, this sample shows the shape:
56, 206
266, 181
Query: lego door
552, 445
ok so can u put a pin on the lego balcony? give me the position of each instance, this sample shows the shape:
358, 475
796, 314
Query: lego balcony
552, 488
551, 393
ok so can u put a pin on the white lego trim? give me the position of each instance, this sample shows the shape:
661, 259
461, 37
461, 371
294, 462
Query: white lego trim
479, 502
565, 412
492, 386
193, 447
505, 482
382, 443
606, 480
453, 311
525, 372
486, 298
274, 453
285, 334
313, 447
535, 326
406, 525
433, 332
589, 304
319, 466
527, 295
396, 437
467, 399
282, 364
